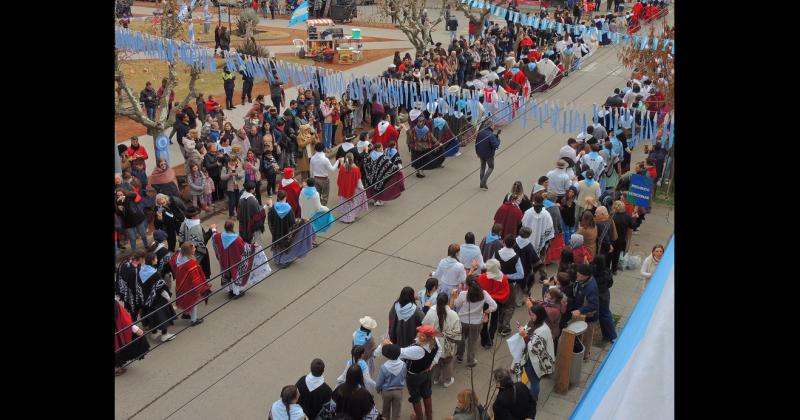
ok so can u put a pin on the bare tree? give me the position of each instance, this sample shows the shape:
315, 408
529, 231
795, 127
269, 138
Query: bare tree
475, 16
658, 65
407, 15
127, 101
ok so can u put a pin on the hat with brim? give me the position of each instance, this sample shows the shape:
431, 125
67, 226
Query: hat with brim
368, 323
484, 72
500, 69
192, 211
413, 114
562, 164
428, 330
351, 137
454, 89
537, 188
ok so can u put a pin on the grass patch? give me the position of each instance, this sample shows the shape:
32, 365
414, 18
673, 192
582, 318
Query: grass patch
663, 198
598, 334
200, 37
139, 72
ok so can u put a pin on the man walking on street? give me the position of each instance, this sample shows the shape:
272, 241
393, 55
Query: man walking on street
486, 144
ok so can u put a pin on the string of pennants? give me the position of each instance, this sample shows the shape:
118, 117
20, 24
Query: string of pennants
535, 22
389, 92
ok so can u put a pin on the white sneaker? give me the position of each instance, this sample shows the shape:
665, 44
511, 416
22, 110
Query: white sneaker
167, 337
155, 334
436, 382
457, 154
378, 203
449, 382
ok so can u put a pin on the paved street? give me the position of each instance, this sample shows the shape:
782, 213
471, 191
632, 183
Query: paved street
235, 364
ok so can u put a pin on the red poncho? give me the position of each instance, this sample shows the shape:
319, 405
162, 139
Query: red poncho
292, 196
498, 290
123, 320
348, 181
236, 255
188, 276
391, 134
509, 216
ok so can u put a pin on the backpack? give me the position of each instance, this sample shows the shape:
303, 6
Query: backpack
328, 411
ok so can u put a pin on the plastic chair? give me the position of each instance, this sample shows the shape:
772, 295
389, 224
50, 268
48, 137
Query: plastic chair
299, 44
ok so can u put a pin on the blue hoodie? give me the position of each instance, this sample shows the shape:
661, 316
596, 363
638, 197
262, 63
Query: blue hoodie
392, 376
282, 208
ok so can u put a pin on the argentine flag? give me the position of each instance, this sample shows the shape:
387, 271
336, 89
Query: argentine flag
300, 14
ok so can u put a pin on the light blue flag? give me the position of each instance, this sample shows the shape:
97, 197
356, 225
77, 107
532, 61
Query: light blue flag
492, 9
300, 14
535, 22
555, 117
191, 32
655, 43
541, 115
666, 42
206, 15
671, 133
644, 42
653, 127
564, 122
664, 134
584, 122
516, 17
673, 47
552, 24
560, 28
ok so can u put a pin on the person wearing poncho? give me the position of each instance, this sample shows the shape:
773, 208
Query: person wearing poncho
157, 312
190, 282
287, 245
236, 260
421, 142
557, 244
312, 211
385, 132
509, 216
540, 223
123, 338
443, 134
352, 199
251, 215
381, 177
291, 187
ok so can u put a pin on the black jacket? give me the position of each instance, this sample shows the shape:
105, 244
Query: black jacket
131, 214
149, 98
514, 403
172, 216
486, 144
213, 165
312, 401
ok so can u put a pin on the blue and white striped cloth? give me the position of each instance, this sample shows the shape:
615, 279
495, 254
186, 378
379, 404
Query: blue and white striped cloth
300, 14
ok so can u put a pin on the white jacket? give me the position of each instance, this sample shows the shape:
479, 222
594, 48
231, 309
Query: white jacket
649, 267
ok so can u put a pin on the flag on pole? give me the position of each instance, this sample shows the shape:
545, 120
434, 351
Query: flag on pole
191, 32
300, 14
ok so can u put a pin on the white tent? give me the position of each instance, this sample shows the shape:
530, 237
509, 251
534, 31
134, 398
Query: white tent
637, 379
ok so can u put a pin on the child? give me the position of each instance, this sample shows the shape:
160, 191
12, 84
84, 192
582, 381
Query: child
363, 337
427, 296
357, 356
391, 381
208, 189
579, 251
213, 133
270, 167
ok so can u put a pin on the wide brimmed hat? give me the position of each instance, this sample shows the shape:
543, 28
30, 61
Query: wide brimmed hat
484, 72
562, 164
351, 137
192, 211
414, 114
368, 323
500, 69
454, 89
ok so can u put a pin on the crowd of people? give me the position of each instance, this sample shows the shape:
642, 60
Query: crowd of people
577, 218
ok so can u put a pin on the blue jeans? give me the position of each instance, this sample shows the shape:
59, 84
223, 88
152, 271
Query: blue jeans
533, 380
327, 135
233, 200
151, 112
606, 322
141, 230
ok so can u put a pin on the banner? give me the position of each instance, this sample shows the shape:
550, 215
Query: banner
639, 193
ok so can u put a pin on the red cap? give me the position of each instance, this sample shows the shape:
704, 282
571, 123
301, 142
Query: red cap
288, 172
428, 330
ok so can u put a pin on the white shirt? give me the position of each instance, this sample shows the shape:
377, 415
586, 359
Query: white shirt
321, 166
450, 274
415, 352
